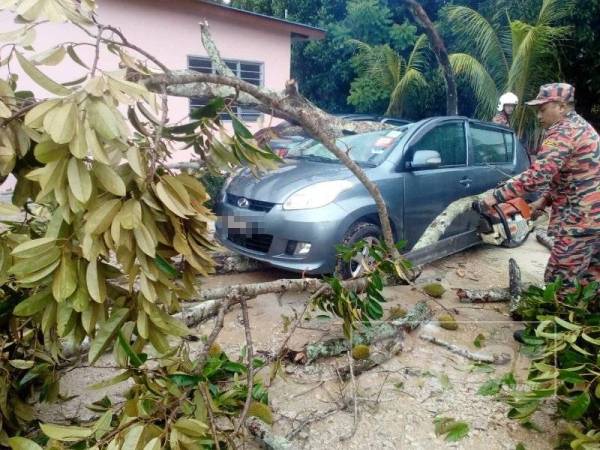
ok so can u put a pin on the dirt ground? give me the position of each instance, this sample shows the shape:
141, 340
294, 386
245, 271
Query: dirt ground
398, 401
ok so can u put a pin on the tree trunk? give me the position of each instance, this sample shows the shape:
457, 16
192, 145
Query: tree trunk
439, 48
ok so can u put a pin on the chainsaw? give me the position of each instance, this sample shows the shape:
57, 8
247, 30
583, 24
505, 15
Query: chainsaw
505, 224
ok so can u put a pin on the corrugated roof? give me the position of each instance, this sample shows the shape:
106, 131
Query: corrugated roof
298, 30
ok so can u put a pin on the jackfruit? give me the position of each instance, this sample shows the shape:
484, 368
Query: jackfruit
434, 290
447, 322
361, 352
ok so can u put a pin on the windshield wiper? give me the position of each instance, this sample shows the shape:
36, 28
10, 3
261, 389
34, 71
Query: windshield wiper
317, 158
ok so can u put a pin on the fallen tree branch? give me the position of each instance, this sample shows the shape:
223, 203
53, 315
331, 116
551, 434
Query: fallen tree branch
493, 295
210, 299
436, 229
366, 336
261, 431
503, 358
250, 369
515, 286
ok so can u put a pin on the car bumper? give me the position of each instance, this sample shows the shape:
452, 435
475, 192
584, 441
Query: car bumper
266, 236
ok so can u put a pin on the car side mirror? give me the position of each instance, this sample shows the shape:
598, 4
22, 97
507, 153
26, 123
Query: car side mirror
425, 159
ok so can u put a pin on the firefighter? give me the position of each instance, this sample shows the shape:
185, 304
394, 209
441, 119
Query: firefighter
506, 106
567, 175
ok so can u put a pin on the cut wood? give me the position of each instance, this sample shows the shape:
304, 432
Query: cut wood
502, 358
492, 295
543, 238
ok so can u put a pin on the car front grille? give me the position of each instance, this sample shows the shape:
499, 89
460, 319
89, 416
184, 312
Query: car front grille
256, 242
253, 205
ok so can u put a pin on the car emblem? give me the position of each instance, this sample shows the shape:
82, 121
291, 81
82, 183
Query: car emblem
243, 202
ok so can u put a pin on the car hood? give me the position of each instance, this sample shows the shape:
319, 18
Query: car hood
277, 185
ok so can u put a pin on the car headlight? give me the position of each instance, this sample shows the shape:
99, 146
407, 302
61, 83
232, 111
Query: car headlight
317, 195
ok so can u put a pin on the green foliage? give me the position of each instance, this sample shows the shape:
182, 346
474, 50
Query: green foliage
494, 386
356, 308
107, 241
515, 52
454, 430
566, 334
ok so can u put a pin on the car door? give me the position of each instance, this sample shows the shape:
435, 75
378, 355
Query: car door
428, 192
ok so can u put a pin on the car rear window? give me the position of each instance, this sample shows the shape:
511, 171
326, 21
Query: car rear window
365, 148
492, 146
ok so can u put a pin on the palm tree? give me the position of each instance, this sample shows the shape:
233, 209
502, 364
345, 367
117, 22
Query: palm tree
508, 55
392, 73
492, 56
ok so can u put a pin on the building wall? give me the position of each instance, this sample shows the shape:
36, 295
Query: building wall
169, 30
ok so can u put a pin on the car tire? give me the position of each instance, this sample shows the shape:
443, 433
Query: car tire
357, 232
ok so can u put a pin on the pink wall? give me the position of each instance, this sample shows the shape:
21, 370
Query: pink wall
169, 30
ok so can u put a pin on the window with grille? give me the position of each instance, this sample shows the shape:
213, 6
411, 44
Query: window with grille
248, 71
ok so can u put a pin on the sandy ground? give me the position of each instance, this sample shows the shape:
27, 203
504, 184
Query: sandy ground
398, 401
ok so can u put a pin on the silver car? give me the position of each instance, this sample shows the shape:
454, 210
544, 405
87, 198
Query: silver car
293, 217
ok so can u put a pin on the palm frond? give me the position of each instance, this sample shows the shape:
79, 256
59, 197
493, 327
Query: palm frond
553, 11
480, 81
477, 30
418, 57
410, 82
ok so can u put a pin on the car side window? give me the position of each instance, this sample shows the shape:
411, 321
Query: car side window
448, 140
491, 146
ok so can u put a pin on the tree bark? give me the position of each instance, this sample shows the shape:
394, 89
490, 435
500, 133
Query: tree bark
439, 48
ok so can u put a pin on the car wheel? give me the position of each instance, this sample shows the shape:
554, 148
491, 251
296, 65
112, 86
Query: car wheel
355, 267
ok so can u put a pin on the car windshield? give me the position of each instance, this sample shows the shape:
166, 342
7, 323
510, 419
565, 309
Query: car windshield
368, 149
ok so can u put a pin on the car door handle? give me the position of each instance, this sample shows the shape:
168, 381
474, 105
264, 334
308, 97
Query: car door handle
465, 181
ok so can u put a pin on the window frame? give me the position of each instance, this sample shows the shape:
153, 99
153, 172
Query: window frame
241, 112
496, 129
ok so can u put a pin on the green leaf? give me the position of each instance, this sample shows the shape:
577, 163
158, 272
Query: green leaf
34, 304
106, 333
112, 381
509, 380
103, 120
166, 267
80, 182
65, 433
210, 110
490, 387
453, 429
457, 431
134, 358
567, 325
21, 364
184, 380
40, 78
578, 406
520, 446
239, 128
21, 443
